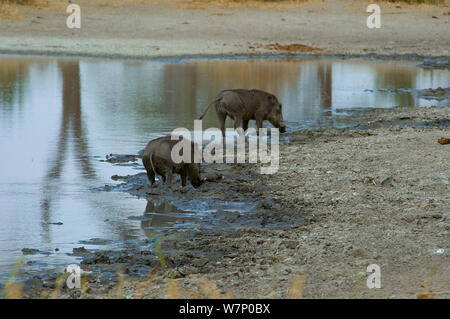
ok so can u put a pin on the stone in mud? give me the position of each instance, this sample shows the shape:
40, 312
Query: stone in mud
98, 258
434, 64
81, 251
29, 251
173, 274
434, 94
117, 158
125, 259
200, 262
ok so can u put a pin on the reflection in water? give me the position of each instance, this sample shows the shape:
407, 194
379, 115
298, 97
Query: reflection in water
71, 132
160, 214
59, 116
326, 88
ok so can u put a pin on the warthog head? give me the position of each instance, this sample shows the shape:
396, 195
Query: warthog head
194, 175
275, 116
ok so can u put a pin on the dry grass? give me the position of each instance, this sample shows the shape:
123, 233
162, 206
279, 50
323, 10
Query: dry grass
295, 290
12, 289
203, 288
10, 9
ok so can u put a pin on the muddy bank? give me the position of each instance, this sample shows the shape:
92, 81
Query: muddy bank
341, 200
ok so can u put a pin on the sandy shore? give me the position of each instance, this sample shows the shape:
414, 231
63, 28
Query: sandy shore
342, 200
183, 28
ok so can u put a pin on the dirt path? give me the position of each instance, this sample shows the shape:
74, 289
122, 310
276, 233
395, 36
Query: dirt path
185, 27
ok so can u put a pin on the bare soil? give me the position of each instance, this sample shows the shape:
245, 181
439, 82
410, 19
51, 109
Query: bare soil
342, 199
137, 28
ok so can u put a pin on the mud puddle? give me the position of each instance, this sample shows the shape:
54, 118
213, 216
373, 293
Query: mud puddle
228, 198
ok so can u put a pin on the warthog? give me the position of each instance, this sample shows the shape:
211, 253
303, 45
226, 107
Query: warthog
157, 159
245, 105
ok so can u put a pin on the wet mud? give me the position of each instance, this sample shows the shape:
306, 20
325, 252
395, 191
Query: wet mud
240, 224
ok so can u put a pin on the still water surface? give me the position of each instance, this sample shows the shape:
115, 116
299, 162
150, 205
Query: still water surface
60, 116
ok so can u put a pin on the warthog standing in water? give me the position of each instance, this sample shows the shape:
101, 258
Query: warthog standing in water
245, 105
157, 159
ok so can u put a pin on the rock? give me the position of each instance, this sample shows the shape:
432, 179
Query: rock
117, 158
200, 262
29, 251
433, 63
173, 274
81, 251
434, 94
98, 258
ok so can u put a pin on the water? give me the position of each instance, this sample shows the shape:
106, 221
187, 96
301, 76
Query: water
60, 116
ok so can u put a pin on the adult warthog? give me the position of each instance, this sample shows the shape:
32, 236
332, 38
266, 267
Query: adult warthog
245, 105
157, 159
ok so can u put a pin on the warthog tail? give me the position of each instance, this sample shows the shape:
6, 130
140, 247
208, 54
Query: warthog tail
206, 111
148, 162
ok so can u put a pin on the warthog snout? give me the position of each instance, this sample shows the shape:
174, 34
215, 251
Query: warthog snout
197, 183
